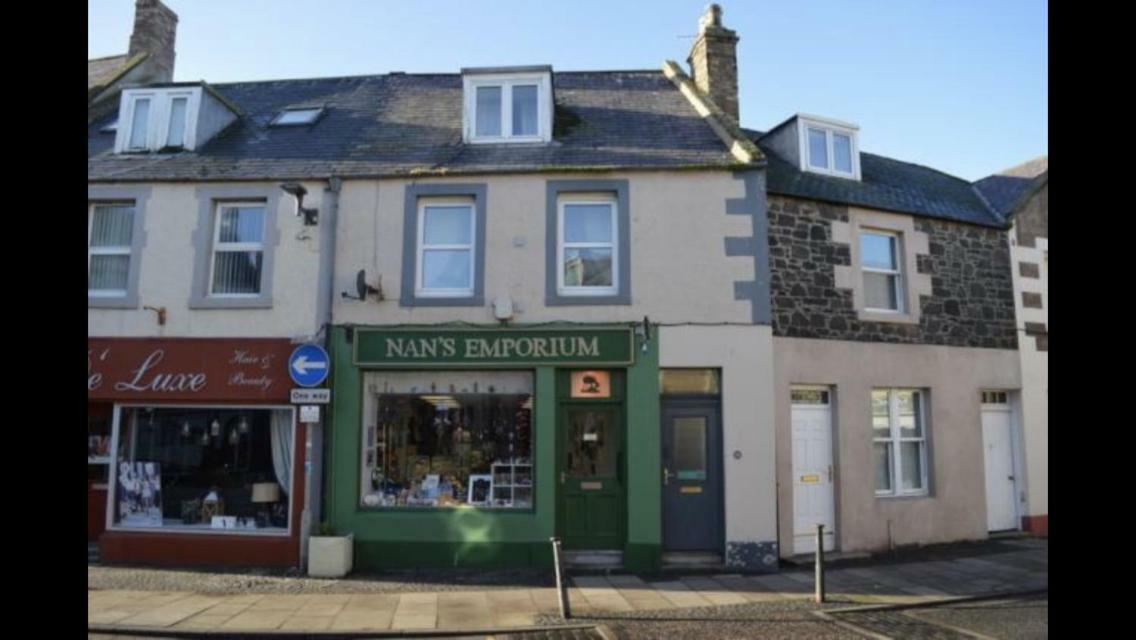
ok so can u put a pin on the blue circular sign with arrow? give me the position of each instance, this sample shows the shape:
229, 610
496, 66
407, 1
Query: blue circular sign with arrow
308, 365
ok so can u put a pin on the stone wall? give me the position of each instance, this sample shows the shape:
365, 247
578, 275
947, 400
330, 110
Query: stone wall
1032, 220
973, 297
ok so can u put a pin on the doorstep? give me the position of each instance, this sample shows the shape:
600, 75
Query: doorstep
830, 557
593, 560
681, 560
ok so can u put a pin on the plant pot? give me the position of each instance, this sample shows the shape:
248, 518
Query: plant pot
331, 556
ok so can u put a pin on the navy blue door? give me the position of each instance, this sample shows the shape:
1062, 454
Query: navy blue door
692, 476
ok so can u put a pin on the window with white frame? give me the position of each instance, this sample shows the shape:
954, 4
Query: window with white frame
829, 148
175, 129
152, 120
508, 108
297, 116
110, 236
587, 248
238, 249
139, 136
446, 249
880, 262
899, 442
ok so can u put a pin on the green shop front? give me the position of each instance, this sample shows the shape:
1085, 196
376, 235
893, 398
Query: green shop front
474, 445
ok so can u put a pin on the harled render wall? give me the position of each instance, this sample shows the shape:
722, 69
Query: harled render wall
170, 246
680, 270
953, 377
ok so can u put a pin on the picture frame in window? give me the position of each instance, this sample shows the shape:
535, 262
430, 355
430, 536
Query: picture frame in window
480, 489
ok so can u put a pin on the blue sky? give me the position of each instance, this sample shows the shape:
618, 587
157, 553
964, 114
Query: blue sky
961, 86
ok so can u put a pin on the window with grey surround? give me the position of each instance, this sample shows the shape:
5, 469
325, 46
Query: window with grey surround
588, 250
235, 243
238, 249
443, 246
446, 249
115, 239
110, 238
880, 263
899, 442
587, 233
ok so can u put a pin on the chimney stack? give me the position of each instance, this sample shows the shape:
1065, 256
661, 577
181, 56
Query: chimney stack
155, 27
714, 61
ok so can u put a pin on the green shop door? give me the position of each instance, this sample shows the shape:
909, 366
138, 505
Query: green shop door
590, 505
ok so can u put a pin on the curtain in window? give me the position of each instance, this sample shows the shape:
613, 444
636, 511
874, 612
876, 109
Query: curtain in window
282, 448
112, 229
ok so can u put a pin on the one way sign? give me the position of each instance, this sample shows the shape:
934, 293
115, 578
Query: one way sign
308, 365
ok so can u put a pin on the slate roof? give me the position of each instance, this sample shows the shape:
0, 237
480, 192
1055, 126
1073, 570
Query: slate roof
885, 183
101, 70
399, 124
1005, 189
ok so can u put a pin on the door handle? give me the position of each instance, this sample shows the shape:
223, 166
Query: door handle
666, 475
830, 473
562, 477
1010, 478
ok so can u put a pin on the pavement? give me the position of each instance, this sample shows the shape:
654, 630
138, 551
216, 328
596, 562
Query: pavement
927, 592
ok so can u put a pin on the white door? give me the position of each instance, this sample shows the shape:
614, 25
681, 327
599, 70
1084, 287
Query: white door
813, 500
997, 440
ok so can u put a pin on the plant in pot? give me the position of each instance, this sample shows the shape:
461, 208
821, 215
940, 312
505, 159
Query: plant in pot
330, 555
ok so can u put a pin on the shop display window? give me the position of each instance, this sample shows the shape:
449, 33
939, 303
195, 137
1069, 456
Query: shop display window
214, 469
448, 439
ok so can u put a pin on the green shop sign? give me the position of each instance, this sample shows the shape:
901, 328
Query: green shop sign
442, 347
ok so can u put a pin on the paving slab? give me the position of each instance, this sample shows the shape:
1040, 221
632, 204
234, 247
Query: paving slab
203, 621
307, 623
171, 613
601, 594
323, 606
227, 608
778, 583
680, 595
363, 619
280, 603
416, 611
464, 609
747, 589
256, 620
713, 591
640, 595
371, 601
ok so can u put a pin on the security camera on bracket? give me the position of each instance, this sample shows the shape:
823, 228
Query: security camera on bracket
297, 191
362, 289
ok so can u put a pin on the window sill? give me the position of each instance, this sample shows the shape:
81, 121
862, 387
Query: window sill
439, 301
112, 302
560, 299
260, 302
872, 315
902, 496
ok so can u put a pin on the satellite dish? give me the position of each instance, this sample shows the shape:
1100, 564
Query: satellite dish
362, 289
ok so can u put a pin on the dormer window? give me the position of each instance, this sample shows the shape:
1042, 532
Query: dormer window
503, 106
166, 118
829, 147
